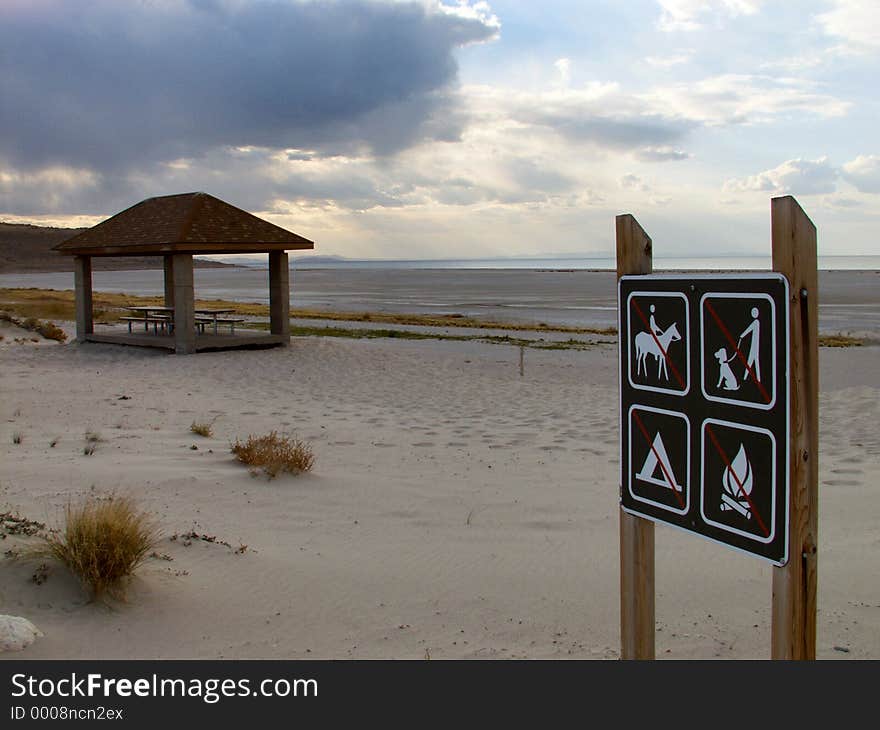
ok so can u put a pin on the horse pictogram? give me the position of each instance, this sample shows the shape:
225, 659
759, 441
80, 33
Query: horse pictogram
649, 343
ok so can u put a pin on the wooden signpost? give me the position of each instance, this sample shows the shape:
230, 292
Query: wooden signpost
727, 455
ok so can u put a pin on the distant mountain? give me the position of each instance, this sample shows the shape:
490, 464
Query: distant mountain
25, 248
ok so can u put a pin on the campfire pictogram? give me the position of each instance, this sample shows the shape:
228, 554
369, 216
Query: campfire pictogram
737, 482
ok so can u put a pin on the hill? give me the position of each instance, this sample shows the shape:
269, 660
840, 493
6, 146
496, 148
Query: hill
26, 248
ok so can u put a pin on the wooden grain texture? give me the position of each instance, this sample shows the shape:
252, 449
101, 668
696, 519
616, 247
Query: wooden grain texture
634, 256
793, 632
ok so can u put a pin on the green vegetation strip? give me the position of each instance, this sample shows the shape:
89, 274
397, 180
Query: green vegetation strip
359, 333
108, 307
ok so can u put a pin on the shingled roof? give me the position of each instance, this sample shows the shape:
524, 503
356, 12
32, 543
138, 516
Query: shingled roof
195, 223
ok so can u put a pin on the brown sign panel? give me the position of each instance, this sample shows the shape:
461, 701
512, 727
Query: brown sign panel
705, 406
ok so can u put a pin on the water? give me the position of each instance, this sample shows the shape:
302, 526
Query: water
599, 263
576, 292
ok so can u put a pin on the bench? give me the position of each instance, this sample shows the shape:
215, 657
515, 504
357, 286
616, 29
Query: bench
155, 320
231, 321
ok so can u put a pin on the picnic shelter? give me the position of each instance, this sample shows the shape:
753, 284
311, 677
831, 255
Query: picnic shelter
178, 227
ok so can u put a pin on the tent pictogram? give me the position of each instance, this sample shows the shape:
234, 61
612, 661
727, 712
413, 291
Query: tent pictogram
657, 463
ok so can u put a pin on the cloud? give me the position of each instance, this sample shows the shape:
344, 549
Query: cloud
661, 154
856, 22
744, 99
690, 15
669, 61
112, 86
563, 67
864, 173
797, 177
633, 182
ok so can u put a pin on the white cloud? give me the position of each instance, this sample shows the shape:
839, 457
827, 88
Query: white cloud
662, 154
744, 99
864, 173
688, 15
669, 61
563, 66
633, 182
856, 22
797, 177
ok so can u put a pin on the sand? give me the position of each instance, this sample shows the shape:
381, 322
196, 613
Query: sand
456, 509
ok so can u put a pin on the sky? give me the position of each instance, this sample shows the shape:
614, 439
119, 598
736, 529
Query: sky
442, 129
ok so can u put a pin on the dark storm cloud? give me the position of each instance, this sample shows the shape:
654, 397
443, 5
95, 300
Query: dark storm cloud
110, 86
621, 132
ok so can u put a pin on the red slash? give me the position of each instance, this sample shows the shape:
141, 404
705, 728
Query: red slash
669, 479
659, 346
729, 338
742, 490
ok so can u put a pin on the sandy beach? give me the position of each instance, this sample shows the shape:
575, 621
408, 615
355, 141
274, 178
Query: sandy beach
457, 509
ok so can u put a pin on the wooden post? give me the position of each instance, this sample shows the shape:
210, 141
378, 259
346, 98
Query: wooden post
793, 631
184, 304
634, 256
279, 293
168, 265
82, 284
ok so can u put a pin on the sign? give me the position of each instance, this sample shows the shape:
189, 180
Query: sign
705, 406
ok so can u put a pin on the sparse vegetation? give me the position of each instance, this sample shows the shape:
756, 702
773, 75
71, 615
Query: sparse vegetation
92, 441
16, 438
59, 304
274, 453
102, 542
203, 428
49, 330
14, 524
839, 341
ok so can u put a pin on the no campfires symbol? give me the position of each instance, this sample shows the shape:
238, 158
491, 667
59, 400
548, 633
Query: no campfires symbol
657, 335
738, 484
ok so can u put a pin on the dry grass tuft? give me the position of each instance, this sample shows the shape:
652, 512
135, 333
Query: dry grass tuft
49, 330
103, 541
202, 429
92, 439
840, 341
273, 454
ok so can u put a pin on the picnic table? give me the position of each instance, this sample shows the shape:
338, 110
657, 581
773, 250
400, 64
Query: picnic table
213, 317
156, 315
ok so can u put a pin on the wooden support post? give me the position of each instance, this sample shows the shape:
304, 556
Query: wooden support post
184, 304
793, 632
634, 256
82, 282
279, 294
169, 279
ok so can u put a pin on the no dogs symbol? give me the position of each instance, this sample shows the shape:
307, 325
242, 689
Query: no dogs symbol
738, 363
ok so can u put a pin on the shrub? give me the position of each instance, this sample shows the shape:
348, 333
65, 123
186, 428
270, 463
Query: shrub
103, 541
91, 444
273, 454
202, 429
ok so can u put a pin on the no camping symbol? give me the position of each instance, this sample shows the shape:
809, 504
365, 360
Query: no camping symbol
659, 458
